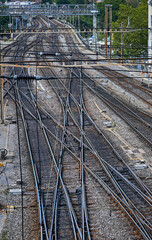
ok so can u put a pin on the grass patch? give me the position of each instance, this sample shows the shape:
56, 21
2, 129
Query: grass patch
4, 235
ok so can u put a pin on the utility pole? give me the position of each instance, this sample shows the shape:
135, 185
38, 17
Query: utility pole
106, 29
149, 31
9, 19
16, 23
122, 39
94, 11
12, 22
78, 22
95, 29
110, 20
108, 26
22, 22
1, 86
73, 20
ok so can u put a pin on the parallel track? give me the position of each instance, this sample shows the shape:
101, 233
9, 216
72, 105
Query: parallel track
61, 175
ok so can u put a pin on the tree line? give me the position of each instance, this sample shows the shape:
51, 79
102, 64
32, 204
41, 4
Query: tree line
129, 14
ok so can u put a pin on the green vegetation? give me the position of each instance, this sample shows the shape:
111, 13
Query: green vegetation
133, 3
4, 22
132, 13
135, 43
115, 7
3, 235
87, 20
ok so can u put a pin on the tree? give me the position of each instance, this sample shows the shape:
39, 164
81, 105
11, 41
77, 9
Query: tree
115, 8
4, 22
133, 3
135, 43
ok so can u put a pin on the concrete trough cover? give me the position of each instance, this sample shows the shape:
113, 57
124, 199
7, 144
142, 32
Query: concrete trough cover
41, 92
139, 166
15, 191
108, 124
49, 97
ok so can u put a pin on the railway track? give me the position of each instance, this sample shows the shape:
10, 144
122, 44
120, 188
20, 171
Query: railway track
62, 174
130, 84
139, 120
71, 94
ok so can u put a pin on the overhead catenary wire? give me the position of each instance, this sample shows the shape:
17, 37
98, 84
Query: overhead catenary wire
41, 124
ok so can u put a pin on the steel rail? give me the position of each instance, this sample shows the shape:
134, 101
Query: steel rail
54, 211
84, 205
118, 155
110, 104
128, 199
94, 173
78, 53
83, 221
55, 198
65, 118
71, 210
114, 76
33, 167
112, 178
73, 217
41, 213
85, 166
48, 130
68, 132
58, 168
113, 150
131, 112
108, 173
138, 118
72, 153
31, 158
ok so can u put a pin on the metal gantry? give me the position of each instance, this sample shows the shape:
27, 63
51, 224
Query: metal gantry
47, 10
51, 10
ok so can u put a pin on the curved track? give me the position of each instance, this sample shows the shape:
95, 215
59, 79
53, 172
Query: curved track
66, 153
